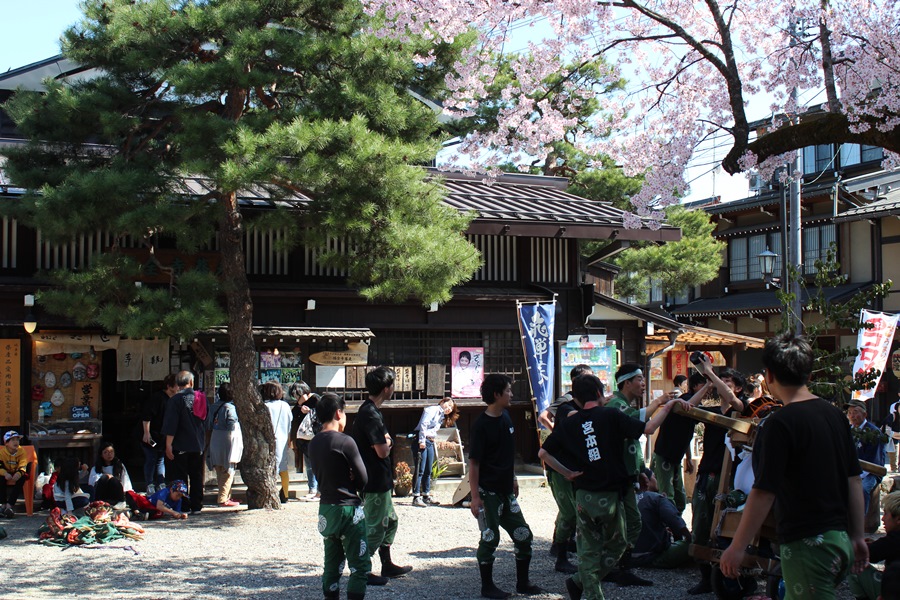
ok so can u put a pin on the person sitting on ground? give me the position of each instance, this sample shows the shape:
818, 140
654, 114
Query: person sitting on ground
868, 583
165, 501
660, 522
108, 477
14, 471
68, 493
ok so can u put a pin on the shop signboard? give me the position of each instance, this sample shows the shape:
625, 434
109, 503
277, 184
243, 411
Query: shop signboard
10, 407
356, 354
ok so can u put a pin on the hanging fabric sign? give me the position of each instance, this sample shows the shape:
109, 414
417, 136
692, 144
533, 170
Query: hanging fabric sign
874, 344
155, 359
146, 360
129, 357
536, 326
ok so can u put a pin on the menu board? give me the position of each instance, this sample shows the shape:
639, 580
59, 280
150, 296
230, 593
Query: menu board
10, 403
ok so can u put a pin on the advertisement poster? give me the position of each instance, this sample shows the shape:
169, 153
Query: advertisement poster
874, 343
467, 372
656, 369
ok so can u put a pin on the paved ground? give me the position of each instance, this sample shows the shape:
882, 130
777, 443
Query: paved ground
277, 554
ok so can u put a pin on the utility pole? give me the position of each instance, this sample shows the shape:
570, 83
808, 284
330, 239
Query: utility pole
794, 250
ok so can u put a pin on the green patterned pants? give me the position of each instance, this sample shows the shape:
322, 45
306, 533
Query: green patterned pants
381, 520
703, 507
670, 480
564, 495
344, 533
502, 510
601, 538
813, 567
867, 584
632, 516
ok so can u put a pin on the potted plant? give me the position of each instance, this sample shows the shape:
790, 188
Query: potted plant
402, 479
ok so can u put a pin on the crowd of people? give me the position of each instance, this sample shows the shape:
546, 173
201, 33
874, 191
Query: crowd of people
615, 512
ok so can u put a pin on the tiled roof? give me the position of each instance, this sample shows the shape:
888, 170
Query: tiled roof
883, 207
301, 332
756, 303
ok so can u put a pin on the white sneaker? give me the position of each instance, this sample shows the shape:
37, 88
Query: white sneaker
151, 489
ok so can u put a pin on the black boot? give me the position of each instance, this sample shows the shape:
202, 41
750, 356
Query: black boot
523, 586
388, 568
705, 585
488, 589
333, 595
556, 548
355, 596
563, 565
573, 589
623, 577
373, 579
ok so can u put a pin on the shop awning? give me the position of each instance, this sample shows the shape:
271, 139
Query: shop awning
301, 333
665, 328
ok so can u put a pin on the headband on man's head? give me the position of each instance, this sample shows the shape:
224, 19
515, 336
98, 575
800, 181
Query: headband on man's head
627, 376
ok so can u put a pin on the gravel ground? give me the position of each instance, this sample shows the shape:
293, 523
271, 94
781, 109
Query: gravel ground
277, 554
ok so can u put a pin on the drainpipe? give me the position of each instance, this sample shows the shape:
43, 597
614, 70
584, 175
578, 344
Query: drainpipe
673, 337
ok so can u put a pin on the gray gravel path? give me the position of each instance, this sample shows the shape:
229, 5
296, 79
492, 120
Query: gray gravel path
277, 554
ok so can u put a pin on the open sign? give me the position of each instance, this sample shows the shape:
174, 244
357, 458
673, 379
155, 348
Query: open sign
81, 412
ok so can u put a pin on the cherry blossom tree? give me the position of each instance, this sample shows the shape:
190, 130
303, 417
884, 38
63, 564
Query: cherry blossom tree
692, 68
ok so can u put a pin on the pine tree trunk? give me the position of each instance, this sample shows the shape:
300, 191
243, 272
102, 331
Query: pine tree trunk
258, 461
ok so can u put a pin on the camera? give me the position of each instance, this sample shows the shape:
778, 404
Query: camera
696, 357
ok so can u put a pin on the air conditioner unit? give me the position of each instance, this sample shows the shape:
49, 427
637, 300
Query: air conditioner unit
757, 183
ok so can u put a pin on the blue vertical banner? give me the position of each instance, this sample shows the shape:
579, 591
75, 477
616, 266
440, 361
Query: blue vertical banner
536, 326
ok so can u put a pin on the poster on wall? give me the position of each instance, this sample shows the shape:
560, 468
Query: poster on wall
467, 372
10, 413
330, 377
656, 369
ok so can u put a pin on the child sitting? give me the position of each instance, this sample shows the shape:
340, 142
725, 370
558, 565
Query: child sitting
68, 493
14, 471
868, 583
166, 501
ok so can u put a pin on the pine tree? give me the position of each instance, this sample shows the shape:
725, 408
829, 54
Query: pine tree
282, 97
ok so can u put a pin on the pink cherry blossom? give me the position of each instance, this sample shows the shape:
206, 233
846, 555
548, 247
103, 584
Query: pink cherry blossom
691, 69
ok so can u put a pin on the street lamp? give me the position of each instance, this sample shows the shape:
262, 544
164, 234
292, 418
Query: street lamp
30, 323
767, 260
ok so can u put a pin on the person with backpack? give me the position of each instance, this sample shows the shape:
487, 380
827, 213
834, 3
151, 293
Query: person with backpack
185, 438
226, 444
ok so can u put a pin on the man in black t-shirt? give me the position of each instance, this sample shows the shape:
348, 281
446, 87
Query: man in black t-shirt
495, 489
672, 443
341, 473
374, 443
820, 527
563, 493
594, 440
730, 388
